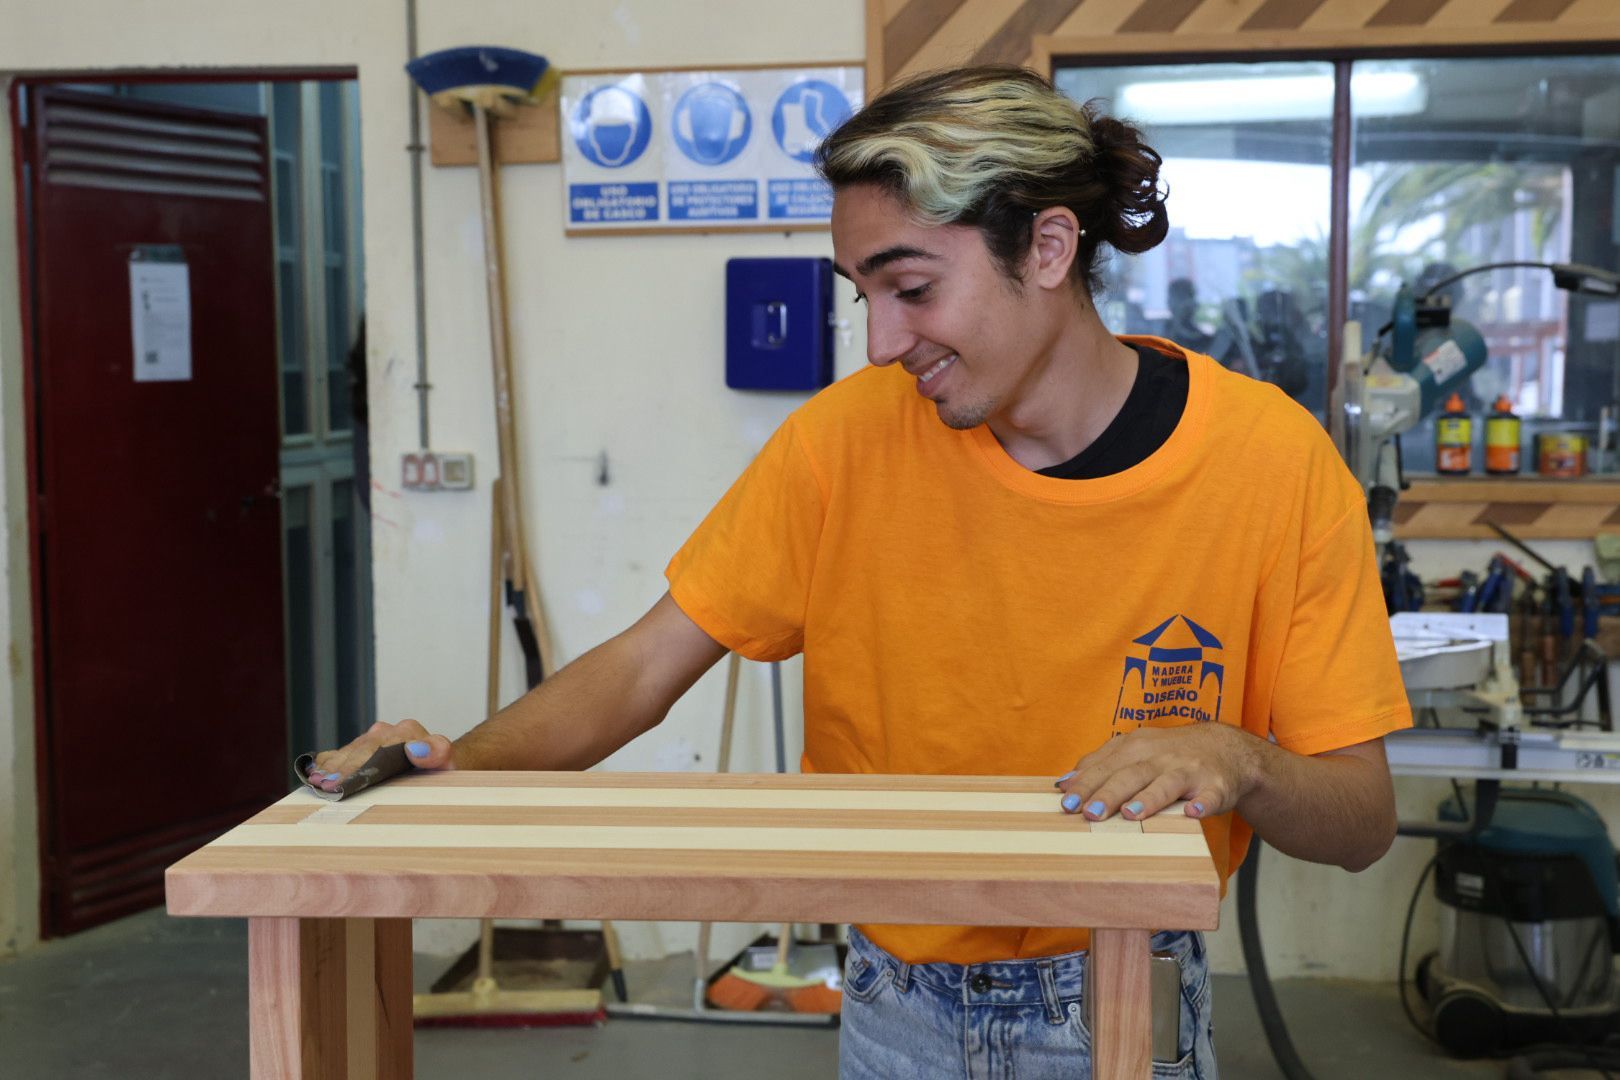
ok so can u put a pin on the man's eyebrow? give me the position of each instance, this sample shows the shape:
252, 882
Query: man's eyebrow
879, 260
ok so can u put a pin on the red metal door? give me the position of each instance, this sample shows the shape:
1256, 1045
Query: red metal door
157, 526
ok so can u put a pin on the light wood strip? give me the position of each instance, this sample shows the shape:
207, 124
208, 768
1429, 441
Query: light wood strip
1447, 516
1574, 519
616, 837
1344, 15
1220, 18
1173, 823
1468, 13
726, 781
960, 36
1053, 820
909, 30
1096, 17
1405, 12
360, 997
667, 798
1117, 826
1599, 14
1534, 11
1604, 492
1010, 44
1119, 985
331, 813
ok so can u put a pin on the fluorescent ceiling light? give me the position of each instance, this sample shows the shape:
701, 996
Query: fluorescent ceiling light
1269, 97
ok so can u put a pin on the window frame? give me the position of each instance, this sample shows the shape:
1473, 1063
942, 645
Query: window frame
1049, 54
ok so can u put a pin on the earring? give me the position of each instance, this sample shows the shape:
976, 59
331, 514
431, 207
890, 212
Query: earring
1082, 232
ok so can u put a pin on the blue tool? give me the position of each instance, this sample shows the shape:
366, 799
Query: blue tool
1595, 597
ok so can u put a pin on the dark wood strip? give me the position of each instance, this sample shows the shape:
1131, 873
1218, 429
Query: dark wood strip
1406, 13
1010, 44
911, 29
1512, 513
1282, 14
1534, 11
1159, 16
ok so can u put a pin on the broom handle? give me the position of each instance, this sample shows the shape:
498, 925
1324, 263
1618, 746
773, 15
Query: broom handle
492, 687
500, 347
727, 724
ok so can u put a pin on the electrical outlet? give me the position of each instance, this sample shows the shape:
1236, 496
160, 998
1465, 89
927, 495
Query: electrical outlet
429, 470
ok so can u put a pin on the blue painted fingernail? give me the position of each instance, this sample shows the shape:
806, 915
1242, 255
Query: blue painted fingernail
1198, 809
332, 776
1096, 809
1071, 802
1065, 776
1134, 809
418, 749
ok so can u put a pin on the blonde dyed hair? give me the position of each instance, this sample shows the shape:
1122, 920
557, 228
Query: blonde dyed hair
991, 147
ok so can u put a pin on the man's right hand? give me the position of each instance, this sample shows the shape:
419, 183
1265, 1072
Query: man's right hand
423, 750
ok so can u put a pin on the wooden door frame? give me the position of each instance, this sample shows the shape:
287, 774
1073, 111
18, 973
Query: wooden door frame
28, 338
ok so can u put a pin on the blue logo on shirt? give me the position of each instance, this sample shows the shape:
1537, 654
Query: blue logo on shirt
1174, 674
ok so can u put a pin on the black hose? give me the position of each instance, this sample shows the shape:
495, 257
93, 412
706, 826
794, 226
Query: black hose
1265, 998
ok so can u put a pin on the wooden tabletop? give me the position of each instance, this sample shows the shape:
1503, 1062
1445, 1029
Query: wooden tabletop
736, 847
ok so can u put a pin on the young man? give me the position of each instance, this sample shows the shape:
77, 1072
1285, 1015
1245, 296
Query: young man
1017, 544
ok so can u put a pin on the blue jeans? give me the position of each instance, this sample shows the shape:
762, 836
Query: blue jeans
1010, 1019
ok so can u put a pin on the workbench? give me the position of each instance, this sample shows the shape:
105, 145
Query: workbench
329, 889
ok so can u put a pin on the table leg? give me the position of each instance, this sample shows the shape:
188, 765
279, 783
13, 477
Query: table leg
1119, 984
329, 999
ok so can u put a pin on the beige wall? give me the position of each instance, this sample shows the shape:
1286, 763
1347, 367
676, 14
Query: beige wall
618, 350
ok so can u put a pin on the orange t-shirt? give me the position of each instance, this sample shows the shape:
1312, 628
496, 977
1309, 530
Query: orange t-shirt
960, 614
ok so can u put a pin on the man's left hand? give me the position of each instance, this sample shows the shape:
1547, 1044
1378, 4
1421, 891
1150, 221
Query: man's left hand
1210, 765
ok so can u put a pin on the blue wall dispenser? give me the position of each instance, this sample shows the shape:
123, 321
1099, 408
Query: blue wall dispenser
779, 316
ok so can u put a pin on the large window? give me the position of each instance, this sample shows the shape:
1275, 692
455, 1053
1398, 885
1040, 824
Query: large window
1443, 165
1247, 154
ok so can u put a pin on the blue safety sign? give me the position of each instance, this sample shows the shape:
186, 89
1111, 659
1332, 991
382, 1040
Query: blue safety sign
700, 150
713, 200
805, 114
712, 123
611, 126
612, 204
802, 198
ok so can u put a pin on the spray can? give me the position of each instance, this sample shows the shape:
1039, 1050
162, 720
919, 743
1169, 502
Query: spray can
1502, 431
1454, 439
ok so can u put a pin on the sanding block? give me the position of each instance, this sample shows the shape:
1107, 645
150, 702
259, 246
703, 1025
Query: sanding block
386, 763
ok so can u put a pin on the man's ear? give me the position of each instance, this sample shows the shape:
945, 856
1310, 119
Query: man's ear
1053, 247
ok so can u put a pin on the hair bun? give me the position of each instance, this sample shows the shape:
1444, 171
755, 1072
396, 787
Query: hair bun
1138, 219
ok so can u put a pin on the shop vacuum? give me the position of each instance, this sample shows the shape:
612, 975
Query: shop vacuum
1530, 924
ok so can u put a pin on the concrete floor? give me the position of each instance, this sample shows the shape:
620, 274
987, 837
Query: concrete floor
151, 997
